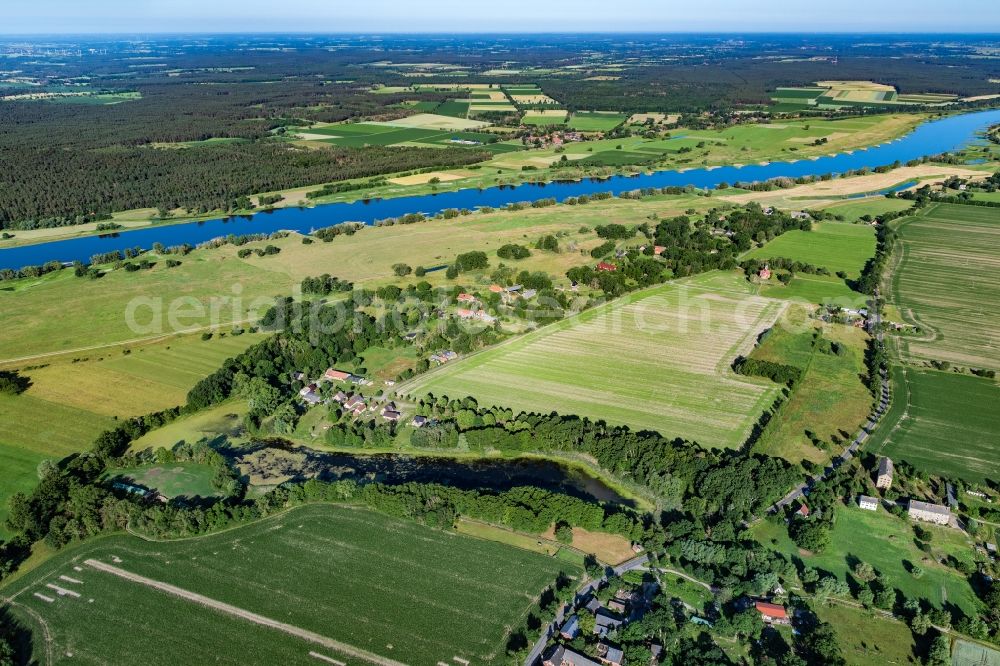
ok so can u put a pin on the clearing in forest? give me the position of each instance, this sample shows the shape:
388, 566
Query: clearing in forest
657, 359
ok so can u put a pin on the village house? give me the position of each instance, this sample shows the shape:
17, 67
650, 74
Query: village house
803, 510
465, 314
298, 376
466, 298
658, 250
610, 655
868, 503
391, 415
528, 293
570, 628
563, 656
307, 389
605, 266
312, 398
495, 288
332, 375
617, 605
765, 273
772, 613
885, 470
927, 512
340, 397
419, 421
354, 401
604, 622
389, 407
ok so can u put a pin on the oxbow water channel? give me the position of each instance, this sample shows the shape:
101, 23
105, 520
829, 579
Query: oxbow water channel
931, 138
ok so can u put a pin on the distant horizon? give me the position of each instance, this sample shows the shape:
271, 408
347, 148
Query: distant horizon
498, 33
114, 17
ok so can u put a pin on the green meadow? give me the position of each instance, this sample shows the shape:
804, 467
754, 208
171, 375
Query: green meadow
888, 544
368, 587
595, 121
833, 245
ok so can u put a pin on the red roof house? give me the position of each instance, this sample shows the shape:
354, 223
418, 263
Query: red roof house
803, 510
495, 288
765, 273
605, 266
658, 250
466, 298
772, 613
336, 375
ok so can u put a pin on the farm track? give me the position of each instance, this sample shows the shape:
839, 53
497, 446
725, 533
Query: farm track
249, 616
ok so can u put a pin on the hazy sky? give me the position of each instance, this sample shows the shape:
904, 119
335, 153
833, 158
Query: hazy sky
74, 16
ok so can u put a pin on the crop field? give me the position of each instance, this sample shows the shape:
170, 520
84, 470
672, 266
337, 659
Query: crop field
947, 281
356, 135
886, 542
595, 121
549, 117
965, 653
947, 425
656, 360
364, 588
833, 245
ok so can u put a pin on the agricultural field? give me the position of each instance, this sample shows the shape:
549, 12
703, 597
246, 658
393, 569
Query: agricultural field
966, 653
947, 281
545, 117
656, 359
365, 588
831, 95
831, 399
595, 121
945, 423
836, 246
421, 129
887, 543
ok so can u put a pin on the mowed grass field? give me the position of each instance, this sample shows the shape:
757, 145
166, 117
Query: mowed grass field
887, 543
596, 121
947, 281
657, 359
389, 589
945, 423
837, 246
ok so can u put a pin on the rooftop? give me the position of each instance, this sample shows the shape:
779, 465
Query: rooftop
917, 505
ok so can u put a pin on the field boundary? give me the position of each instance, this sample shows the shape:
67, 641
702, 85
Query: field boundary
236, 611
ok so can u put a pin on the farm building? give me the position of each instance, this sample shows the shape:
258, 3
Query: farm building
868, 503
336, 375
931, 513
605, 266
772, 613
529, 293
563, 656
885, 470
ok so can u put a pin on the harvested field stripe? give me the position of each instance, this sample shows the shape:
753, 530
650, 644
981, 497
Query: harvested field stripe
228, 609
323, 657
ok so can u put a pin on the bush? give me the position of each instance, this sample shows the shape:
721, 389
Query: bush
513, 251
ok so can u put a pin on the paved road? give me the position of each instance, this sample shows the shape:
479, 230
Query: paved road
535, 655
874, 324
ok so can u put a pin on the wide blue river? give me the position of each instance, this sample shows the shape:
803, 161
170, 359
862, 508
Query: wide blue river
930, 138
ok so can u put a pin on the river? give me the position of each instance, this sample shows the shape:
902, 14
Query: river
930, 138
